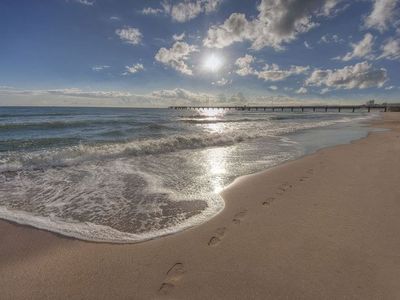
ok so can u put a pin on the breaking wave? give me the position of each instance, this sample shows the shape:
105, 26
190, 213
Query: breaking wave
72, 155
144, 184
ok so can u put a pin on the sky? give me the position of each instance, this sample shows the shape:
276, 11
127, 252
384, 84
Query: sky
156, 53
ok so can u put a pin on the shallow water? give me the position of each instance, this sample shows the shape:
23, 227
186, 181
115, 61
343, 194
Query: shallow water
127, 175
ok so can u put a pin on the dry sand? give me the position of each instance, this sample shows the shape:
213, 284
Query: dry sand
322, 227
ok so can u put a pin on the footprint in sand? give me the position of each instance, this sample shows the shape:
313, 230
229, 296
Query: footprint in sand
217, 237
174, 275
239, 216
303, 178
310, 171
285, 186
281, 189
268, 201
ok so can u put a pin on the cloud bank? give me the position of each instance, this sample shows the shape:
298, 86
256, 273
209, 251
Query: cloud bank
269, 72
176, 57
278, 22
358, 76
385, 13
184, 11
363, 49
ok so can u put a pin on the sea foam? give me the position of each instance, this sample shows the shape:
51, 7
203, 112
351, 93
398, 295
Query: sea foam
151, 185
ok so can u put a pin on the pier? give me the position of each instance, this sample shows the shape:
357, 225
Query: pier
298, 108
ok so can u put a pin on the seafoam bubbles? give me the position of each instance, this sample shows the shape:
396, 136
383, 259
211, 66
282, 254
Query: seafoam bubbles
140, 189
127, 204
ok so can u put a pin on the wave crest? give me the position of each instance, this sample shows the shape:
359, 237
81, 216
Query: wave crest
76, 154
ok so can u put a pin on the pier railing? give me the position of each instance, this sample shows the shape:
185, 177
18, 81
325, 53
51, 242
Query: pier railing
293, 108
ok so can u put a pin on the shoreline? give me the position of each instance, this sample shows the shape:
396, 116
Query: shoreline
284, 232
369, 123
61, 228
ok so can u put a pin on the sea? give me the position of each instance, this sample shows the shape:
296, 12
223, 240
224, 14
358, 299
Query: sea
126, 175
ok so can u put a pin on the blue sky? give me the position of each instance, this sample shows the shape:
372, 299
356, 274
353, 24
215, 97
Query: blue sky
162, 52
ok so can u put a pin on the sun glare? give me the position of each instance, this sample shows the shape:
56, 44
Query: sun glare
213, 63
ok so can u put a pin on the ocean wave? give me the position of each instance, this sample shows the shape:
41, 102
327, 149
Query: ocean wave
84, 152
28, 115
83, 200
105, 202
212, 121
77, 154
313, 116
89, 231
61, 124
124, 132
22, 144
157, 126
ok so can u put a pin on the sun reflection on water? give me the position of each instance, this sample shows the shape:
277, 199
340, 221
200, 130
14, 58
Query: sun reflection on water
215, 158
212, 112
213, 163
216, 166
215, 118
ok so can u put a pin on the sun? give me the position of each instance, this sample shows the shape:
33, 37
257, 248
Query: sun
213, 62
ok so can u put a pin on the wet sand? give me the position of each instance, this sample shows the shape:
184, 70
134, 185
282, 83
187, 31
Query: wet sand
321, 227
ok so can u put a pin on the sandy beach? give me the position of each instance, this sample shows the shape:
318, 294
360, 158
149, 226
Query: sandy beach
325, 226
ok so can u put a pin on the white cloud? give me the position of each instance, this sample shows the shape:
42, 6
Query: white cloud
278, 22
330, 38
222, 82
100, 68
302, 90
391, 49
235, 29
129, 35
133, 69
324, 91
183, 96
269, 72
86, 2
331, 8
177, 56
178, 37
151, 11
307, 45
163, 98
184, 11
67, 92
282, 100
273, 87
78, 97
385, 13
244, 65
275, 73
362, 49
358, 76
211, 5
79, 93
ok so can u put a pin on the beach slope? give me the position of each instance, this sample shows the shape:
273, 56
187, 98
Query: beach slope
321, 227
